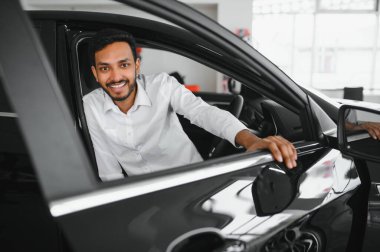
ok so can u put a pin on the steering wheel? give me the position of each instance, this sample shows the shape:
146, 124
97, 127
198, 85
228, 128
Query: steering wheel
219, 146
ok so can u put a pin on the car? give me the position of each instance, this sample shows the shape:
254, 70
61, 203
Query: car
52, 198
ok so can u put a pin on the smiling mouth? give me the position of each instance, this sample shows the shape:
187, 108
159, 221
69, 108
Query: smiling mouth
117, 85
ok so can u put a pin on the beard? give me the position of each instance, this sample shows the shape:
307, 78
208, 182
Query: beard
132, 87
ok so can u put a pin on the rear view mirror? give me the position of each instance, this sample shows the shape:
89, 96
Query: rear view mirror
234, 86
273, 190
359, 132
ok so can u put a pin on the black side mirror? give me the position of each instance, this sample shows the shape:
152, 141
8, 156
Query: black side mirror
359, 132
274, 189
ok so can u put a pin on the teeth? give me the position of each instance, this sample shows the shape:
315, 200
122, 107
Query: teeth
117, 85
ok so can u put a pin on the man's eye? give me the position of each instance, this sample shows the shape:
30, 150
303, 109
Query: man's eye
124, 65
103, 68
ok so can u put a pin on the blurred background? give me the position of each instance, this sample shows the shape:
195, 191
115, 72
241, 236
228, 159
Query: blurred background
329, 45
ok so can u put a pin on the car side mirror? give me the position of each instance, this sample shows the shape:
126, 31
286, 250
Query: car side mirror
274, 189
359, 132
234, 86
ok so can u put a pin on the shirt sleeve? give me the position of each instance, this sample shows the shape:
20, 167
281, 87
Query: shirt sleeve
108, 166
216, 121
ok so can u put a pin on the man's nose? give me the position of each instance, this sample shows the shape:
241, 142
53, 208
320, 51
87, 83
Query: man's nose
116, 75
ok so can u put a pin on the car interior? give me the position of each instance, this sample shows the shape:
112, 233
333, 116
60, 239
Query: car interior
262, 116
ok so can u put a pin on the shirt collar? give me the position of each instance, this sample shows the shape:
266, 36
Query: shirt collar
108, 103
142, 98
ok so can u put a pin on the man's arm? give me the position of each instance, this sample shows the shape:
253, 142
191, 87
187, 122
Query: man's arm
223, 124
373, 128
281, 149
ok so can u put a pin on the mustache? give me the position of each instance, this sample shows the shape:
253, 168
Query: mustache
116, 82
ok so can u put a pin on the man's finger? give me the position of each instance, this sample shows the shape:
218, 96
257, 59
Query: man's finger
287, 154
292, 150
281, 149
286, 150
371, 133
275, 152
377, 132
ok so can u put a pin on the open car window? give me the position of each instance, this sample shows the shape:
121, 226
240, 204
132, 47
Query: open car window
261, 115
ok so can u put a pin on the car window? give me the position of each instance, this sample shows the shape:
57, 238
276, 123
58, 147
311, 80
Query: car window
14, 158
261, 115
194, 75
190, 58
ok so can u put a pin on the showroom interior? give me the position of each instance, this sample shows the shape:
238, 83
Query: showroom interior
332, 46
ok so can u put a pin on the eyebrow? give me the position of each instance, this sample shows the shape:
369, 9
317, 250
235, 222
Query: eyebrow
106, 64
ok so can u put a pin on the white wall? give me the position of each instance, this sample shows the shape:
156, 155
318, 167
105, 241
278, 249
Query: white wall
233, 15
154, 61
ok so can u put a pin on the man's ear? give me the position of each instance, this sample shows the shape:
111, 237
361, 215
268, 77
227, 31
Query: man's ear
94, 72
138, 65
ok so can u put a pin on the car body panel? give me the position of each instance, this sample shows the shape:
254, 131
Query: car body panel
154, 220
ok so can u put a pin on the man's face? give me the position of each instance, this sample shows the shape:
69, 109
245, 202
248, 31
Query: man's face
115, 70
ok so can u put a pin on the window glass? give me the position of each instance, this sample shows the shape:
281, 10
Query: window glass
286, 39
303, 43
322, 50
273, 37
376, 67
5, 106
283, 6
356, 5
343, 40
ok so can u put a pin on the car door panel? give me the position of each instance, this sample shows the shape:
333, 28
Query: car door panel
155, 219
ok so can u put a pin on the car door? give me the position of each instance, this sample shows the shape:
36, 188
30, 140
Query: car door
207, 205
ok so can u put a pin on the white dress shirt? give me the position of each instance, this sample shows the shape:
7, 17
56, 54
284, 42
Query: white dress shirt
149, 137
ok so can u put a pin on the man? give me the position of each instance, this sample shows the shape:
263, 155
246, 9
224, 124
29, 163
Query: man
132, 118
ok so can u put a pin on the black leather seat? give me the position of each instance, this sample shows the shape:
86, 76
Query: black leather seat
219, 146
87, 84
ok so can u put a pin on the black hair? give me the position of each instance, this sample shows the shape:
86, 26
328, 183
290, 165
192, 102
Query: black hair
108, 36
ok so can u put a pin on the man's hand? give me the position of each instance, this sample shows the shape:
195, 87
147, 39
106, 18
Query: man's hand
372, 128
281, 149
